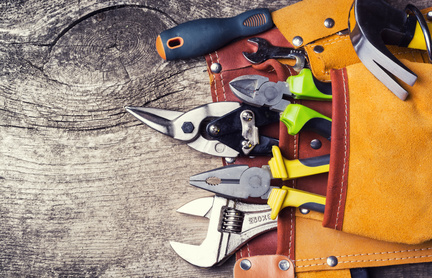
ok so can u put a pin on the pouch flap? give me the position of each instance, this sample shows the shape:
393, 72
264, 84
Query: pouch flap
319, 249
307, 19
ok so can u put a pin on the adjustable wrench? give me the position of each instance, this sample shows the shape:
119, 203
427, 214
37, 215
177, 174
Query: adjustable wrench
232, 224
267, 51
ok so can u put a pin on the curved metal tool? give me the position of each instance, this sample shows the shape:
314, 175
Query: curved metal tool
243, 182
267, 51
372, 25
257, 90
231, 225
224, 129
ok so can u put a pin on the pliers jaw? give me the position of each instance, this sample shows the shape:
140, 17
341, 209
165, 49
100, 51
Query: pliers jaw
231, 225
235, 181
258, 91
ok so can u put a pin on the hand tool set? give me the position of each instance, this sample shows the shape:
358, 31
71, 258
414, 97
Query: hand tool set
328, 164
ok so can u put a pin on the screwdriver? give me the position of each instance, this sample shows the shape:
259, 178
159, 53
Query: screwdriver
199, 37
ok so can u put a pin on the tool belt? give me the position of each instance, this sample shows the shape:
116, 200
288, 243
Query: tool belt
377, 191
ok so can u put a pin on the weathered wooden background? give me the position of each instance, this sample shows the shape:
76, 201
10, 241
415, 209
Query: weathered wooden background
85, 189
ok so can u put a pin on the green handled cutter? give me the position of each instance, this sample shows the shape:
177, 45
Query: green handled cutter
257, 90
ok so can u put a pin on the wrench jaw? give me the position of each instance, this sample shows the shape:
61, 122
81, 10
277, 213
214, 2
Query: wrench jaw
261, 54
231, 225
208, 253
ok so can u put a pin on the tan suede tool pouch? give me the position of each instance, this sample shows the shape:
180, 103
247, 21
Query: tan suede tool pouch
381, 153
381, 157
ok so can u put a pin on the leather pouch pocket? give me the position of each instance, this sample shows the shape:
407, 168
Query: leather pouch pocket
381, 157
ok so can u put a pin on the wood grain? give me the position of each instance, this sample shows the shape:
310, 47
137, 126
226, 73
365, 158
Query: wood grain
85, 189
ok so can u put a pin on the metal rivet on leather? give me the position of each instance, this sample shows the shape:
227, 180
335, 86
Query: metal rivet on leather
318, 49
245, 264
329, 22
297, 41
215, 67
284, 265
230, 160
429, 16
304, 211
315, 144
332, 261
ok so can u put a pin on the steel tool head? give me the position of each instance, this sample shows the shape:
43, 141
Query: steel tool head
257, 90
231, 225
373, 24
235, 181
267, 51
187, 126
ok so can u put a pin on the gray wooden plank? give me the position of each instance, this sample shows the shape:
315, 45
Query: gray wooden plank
85, 190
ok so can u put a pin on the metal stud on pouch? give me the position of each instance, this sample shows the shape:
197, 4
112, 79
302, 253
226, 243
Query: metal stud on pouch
245, 264
216, 68
318, 49
329, 22
297, 41
284, 265
332, 261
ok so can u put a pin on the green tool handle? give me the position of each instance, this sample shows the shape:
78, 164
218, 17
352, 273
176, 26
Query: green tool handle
298, 117
306, 86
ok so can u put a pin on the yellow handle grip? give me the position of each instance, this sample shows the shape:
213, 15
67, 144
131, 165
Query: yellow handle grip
418, 41
285, 169
290, 197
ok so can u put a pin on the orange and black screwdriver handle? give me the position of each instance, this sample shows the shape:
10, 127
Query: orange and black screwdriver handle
202, 36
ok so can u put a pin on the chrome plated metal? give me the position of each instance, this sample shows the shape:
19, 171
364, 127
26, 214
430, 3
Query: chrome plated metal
245, 221
236, 181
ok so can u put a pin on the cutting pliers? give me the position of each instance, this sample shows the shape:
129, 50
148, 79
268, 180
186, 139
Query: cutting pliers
258, 91
224, 129
243, 182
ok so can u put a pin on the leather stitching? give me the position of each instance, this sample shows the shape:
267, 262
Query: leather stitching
370, 254
221, 78
345, 149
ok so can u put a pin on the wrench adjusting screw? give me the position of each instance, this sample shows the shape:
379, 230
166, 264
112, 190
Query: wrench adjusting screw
232, 221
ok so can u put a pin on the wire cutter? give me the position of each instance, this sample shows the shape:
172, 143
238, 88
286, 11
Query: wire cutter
258, 91
243, 182
224, 129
